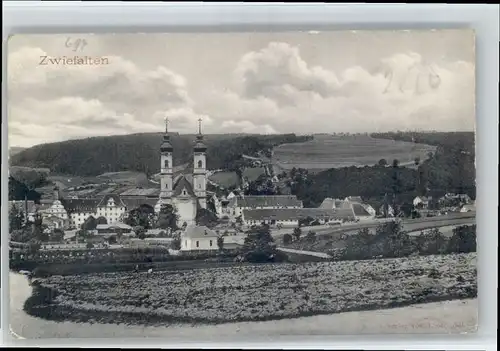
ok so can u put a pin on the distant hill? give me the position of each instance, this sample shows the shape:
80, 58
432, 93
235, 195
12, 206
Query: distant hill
140, 152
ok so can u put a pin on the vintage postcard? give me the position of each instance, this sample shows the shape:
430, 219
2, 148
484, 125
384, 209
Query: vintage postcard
245, 184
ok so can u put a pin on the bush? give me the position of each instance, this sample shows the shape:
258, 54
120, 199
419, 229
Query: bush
265, 257
34, 247
297, 232
358, 246
311, 236
287, 239
40, 272
57, 235
393, 241
432, 242
388, 241
175, 244
463, 239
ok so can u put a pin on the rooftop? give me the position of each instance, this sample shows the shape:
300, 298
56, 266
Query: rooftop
359, 210
113, 226
255, 201
284, 214
193, 231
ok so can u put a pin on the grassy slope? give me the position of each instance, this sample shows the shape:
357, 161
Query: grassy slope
328, 151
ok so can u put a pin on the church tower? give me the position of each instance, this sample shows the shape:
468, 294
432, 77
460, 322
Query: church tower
199, 168
167, 172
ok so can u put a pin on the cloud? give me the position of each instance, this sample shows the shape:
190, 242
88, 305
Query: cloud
37, 121
245, 127
278, 72
119, 83
271, 90
276, 87
84, 100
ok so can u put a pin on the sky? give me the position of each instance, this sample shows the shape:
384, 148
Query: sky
248, 82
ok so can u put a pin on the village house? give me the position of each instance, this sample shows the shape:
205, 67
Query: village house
361, 210
361, 213
422, 202
240, 203
358, 200
290, 217
330, 204
113, 229
54, 222
452, 199
354, 199
471, 207
198, 238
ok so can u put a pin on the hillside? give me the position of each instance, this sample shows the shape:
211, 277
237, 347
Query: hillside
450, 169
15, 150
338, 151
140, 152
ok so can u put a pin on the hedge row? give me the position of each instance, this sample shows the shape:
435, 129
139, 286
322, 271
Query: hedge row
390, 241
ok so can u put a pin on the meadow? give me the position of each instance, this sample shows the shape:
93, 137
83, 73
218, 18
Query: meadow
228, 179
329, 151
254, 292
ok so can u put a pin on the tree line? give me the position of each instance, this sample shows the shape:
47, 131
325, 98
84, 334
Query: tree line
450, 169
140, 152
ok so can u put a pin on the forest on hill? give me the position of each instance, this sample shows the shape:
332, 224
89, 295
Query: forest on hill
450, 169
140, 152
15, 150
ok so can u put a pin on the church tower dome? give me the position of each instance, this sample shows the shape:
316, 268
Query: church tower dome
166, 167
200, 168
166, 146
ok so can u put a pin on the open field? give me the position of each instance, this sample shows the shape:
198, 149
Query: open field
253, 173
125, 177
67, 181
257, 292
328, 151
457, 316
227, 179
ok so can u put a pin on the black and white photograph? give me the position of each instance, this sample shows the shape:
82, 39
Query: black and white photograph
204, 185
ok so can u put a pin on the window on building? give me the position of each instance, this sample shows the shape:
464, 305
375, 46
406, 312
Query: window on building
184, 192
200, 164
197, 244
210, 243
185, 243
165, 164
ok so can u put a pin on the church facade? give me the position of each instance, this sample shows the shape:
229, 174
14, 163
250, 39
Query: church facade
186, 194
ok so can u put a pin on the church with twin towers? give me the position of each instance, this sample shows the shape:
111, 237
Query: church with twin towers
187, 193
